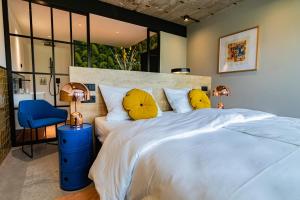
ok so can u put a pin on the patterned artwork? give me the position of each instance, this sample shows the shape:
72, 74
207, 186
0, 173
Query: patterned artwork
237, 51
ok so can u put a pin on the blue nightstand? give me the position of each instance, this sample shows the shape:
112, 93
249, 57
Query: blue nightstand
75, 156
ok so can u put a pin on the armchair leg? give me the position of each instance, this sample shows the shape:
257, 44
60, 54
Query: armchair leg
36, 134
23, 139
31, 145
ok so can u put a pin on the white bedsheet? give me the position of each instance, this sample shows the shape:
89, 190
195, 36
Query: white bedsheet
104, 127
207, 154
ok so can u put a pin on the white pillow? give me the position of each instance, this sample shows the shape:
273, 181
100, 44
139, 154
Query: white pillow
178, 99
113, 98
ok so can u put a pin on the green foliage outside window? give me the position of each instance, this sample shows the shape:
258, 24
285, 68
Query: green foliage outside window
109, 57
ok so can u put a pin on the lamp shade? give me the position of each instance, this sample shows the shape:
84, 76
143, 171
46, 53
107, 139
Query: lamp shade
181, 70
74, 92
221, 90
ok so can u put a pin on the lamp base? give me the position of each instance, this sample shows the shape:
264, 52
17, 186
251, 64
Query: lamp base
220, 105
76, 119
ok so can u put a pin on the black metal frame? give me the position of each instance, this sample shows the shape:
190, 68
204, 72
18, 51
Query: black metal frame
115, 12
149, 66
10, 72
31, 143
76, 6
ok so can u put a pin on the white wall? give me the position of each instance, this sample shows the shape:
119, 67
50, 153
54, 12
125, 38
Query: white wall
2, 48
172, 52
274, 87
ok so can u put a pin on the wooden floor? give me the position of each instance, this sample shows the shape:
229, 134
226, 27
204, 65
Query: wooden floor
89, 193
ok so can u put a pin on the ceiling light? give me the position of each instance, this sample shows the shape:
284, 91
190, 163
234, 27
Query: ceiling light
42, 2
117, 32
186, 18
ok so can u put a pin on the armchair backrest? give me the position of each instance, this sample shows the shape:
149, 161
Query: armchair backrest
34, 109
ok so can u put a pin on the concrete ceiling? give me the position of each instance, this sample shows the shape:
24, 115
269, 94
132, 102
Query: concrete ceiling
174, 10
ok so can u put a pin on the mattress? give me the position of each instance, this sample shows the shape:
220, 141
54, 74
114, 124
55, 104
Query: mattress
207, 154
104, 127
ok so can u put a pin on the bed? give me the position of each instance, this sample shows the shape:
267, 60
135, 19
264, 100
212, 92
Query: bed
103, 127
207, 154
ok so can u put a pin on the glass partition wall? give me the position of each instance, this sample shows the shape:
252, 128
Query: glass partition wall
45, 41
41, 47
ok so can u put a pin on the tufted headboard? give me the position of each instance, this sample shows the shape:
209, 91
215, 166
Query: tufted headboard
120, 78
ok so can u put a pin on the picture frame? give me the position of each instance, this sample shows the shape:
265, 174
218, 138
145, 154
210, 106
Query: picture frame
238, 51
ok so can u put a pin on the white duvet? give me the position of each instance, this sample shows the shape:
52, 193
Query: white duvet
207, 154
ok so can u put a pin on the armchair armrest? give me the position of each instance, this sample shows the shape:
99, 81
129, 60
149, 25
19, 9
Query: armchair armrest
59, 113
25, 119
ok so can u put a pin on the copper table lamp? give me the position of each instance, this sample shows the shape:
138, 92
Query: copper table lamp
220, 91
75, 92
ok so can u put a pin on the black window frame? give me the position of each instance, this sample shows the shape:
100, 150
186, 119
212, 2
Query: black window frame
75, 6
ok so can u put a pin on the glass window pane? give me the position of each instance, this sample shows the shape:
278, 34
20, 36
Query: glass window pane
61, 25
18, 12
63, 81
154, 52
22, 87
41, 21
20, 54
142, 53
62, 58
51, 130
17, 125
44, 87
117, 44
153, 40
68, 110
43, 56
79, 27
80, 54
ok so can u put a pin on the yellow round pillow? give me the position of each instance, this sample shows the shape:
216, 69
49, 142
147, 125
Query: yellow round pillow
139, 105
198, 99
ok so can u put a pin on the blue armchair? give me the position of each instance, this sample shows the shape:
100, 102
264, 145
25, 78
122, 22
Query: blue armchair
34, 114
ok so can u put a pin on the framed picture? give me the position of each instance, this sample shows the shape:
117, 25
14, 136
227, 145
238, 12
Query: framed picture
238, 51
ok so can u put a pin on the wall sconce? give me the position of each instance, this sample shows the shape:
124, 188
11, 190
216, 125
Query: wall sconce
180, 70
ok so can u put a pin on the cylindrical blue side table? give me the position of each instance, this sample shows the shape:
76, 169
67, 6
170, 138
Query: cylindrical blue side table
75, 156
